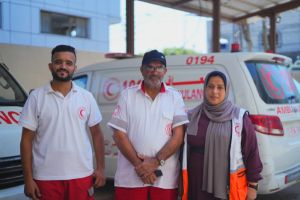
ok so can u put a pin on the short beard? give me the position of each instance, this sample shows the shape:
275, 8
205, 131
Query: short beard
60, 79
150, 84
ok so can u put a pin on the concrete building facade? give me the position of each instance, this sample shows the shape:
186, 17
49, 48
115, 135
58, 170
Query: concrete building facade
46, 23
29, 29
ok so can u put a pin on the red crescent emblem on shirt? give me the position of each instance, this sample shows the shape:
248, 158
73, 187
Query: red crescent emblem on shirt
82, 112
237, 129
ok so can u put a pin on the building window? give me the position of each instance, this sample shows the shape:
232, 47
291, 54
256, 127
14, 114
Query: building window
56, 23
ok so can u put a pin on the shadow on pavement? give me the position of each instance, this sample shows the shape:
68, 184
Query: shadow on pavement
106, 192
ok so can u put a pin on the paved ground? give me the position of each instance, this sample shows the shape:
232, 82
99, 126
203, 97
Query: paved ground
106, 193
292, 193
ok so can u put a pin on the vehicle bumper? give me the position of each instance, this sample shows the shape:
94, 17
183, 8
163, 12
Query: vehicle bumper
279, 181
17, 192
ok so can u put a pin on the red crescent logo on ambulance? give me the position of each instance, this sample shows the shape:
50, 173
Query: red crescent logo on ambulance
111, 88
82, 113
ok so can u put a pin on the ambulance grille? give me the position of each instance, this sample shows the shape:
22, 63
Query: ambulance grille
11, 173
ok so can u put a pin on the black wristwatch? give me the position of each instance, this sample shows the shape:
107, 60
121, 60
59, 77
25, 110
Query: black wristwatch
255, 187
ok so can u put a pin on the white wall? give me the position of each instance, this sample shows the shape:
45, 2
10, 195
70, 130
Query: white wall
29, 65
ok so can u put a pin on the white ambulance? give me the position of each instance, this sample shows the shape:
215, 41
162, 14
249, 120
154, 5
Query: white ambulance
12, 99
260, 83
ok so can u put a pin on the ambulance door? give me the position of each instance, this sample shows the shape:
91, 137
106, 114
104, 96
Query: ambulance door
12, 98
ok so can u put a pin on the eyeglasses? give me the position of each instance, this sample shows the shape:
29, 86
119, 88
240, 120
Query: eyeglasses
150, 68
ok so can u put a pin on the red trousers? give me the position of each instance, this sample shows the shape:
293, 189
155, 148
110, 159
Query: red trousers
74, 189
145, 193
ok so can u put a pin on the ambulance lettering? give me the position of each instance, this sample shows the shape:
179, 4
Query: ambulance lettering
107, 147
287, 109
129, 83
196, 60
10, 117
110, 148
171, 81
292, 131
188, 93
192, 94
117, 111
113, 86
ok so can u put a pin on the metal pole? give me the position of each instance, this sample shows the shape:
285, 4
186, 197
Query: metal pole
130, 26
216, 25
273, 32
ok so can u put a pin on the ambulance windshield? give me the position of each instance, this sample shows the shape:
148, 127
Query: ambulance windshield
81, 81
11, 94
274, 83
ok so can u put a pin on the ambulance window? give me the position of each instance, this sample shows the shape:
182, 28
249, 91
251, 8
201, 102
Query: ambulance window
81, 81
274, 83
11, 94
